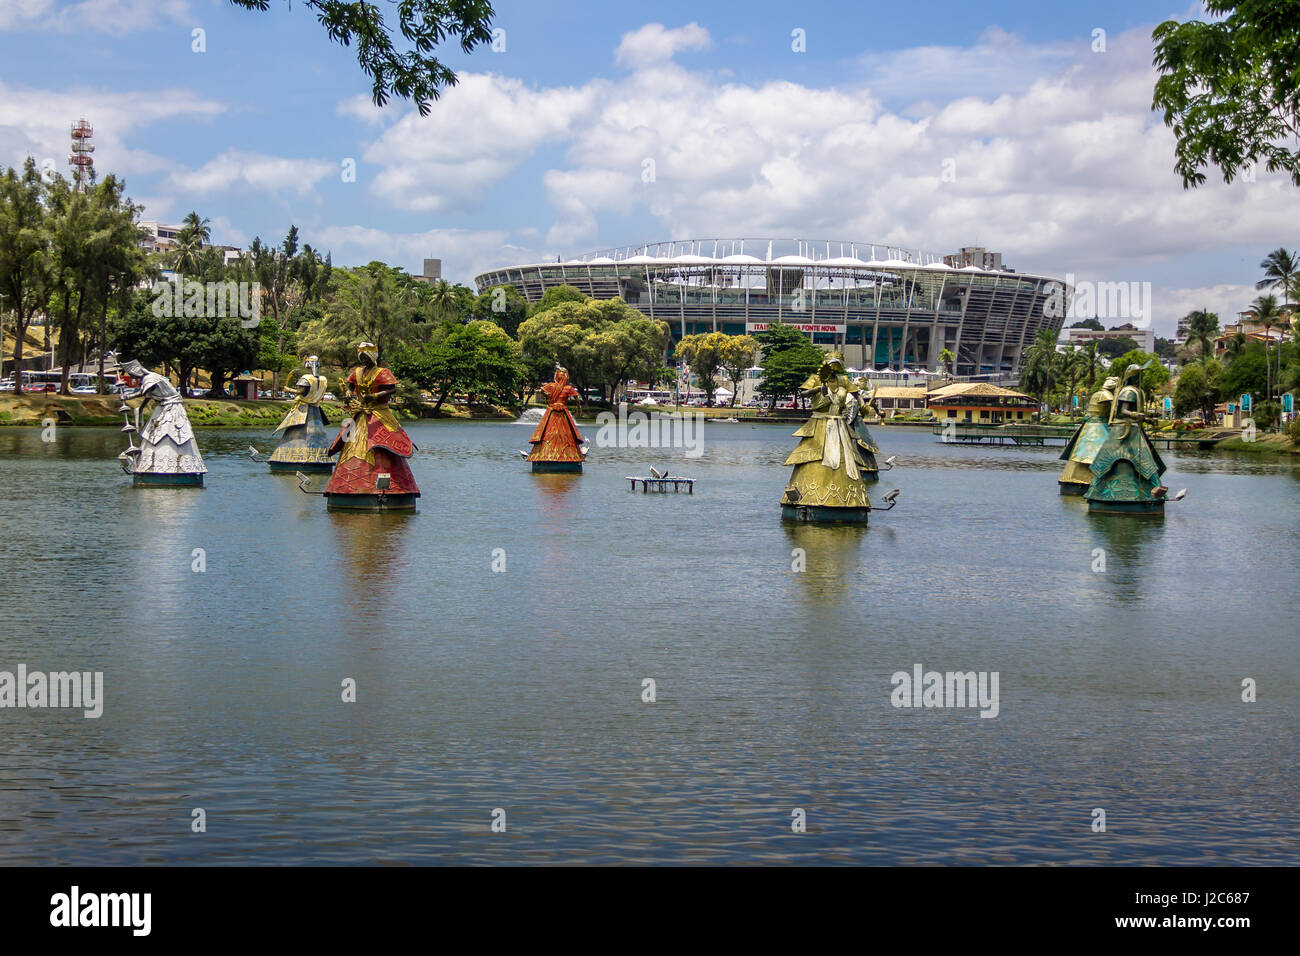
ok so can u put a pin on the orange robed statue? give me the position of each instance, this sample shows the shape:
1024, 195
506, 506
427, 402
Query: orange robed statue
372, 473
557, 444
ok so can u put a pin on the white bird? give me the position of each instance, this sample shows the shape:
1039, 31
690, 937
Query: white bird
523, 454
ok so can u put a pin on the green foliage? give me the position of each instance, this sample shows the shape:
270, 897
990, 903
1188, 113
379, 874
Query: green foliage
1113, 348
413, 74
1230, 89
1245, 375
504, 305
1152, 378
1198, 389
1088, 324
602, 342
789, 358
476, 359
703, 354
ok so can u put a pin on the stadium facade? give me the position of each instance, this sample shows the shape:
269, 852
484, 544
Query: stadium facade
883, 306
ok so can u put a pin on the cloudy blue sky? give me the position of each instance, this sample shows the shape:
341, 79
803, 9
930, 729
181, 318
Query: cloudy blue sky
540, 150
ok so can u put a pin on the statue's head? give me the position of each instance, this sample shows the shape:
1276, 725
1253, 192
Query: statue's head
833, 364
1111, 383
312, 364
561, 375
132, 372
368, 353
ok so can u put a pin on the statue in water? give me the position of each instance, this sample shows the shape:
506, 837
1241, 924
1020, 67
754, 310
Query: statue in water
168, 453
1127, 468
829, 480
1082, 448
557, 443
305, 445
372, 473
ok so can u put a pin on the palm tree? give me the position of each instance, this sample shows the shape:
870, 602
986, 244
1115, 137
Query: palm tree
1281, 271
946, 359
1265, 312
1202, 327
1040, 365
194, 235
443, 299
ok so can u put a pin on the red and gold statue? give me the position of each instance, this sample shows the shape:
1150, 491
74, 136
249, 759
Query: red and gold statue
557, 444
372, 473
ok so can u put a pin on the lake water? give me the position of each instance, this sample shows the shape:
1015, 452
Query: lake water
522, 689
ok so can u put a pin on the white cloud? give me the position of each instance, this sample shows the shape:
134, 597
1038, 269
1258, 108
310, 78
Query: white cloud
654, 43
37, 122
481, 130
464, 252
116, 17
235, 168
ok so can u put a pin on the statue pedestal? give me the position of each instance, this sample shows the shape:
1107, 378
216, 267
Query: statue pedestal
147, 480
337, 502
1155, 506
824, 514
557, 467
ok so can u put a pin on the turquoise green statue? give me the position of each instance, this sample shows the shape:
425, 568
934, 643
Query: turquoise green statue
1126, 468
1082, 448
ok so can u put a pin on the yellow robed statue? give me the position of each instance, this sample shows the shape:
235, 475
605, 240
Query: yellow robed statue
831, 463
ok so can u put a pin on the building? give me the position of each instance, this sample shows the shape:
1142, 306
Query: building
432, 272
980, 403
976, 256
882, 306
1145, 338
161, 238
894, 400
1251, 331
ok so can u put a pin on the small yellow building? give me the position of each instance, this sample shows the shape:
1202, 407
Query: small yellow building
980, 403
899, 400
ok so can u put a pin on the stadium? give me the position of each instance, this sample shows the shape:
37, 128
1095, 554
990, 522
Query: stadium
883, 306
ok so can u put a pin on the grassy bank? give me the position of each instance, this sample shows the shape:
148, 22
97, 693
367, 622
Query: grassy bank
1262, 445
33, 409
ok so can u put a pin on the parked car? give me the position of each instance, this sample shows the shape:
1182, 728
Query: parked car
329, 397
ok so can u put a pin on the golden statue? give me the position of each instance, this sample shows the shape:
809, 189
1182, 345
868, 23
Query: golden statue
305, 445
557, 443
831, 464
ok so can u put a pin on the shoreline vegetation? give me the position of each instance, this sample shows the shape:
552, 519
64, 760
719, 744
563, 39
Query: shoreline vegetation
32, 410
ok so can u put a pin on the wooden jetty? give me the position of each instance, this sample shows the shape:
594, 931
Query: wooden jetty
972, 434
662, 483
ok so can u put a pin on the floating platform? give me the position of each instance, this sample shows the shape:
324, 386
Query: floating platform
314, 467
149, 480
370, 502
662, 484
1154, 506
557, 467
824, 514
1072, 489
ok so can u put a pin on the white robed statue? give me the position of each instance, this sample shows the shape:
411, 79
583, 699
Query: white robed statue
168, 453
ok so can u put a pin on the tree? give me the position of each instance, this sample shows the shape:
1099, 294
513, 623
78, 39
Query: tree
602, 342
1198, 389
24, 268
1246, 375
946, 359
789, 358
474, 358
414, 74
193, 236
1264, 311
738, 354
374, 303
1110, 348
1040, 365
1281, 271
1202, 327
555, 295
703, 354
1230, 89
1152, 378
504, 305
1092, 323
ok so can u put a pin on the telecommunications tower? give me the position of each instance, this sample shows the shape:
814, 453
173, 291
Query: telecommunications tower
80, 159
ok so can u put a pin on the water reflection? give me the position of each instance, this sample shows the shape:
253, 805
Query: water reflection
830, 559
368, 549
